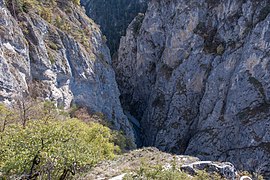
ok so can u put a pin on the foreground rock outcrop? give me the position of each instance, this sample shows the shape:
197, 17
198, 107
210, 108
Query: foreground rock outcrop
51, 49
114, 16
196, 76
127, 166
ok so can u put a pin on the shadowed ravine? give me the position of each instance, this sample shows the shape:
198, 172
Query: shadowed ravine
189, 77
195, 74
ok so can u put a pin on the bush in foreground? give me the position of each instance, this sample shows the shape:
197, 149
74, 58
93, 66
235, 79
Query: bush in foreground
53, 149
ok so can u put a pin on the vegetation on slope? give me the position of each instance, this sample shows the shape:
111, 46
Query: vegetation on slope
152, 164
160, 173
61, 14
41, 141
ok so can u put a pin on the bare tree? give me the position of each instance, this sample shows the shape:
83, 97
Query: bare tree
24, 105
6, 116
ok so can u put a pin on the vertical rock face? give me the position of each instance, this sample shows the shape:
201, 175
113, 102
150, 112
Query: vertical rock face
196, 74
114, 16
58, 56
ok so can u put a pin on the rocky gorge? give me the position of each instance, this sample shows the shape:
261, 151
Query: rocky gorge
195, 74
190, 77
114, 16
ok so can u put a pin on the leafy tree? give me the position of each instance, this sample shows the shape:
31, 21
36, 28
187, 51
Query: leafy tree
6, 117
38, 140
53, 149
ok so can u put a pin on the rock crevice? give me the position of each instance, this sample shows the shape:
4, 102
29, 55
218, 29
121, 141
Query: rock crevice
196, 76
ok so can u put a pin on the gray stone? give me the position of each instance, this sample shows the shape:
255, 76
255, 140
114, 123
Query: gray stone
120, 177
41, 59
190, 95
224, 169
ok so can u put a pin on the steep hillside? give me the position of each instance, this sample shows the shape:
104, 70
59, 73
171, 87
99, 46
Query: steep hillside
196, 75
114, 16
51, 49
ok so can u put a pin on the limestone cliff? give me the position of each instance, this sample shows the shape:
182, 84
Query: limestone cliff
51, 49
196, 74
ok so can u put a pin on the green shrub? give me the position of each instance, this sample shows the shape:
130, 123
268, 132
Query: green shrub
18, 6
104, 39
77, 2
202, 175
51, 58
6, 117
53, 149
53, 46
46, 14
124, 142
156, 173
